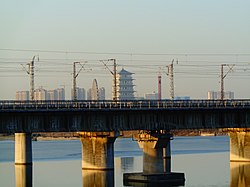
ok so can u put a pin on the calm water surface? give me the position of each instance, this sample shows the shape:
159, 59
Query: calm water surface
204, 160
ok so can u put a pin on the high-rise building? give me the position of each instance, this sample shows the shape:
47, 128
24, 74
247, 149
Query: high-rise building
229, 95
40, 94
89, 94
61, 93
101, 93
94, 93
22, 95
52, 95
94, 90
80, 93
125, 86
211, 95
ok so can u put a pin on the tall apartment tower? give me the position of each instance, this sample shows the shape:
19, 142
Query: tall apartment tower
22, 95
211, 95
80, 94
101, 93
94, 90
95, 93
89, 94
125, 86
58, 94
61, 93
40, 94
52, 95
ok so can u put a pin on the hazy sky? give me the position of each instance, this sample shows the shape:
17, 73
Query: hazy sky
144, 36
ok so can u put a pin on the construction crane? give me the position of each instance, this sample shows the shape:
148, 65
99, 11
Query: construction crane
114, 72
222, 76
30, 71
170, 73
75, 75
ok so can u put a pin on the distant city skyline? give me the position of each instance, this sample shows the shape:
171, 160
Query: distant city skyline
143, 36
42, 94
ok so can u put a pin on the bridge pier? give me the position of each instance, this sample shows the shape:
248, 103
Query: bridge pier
23, 149
239, 144
156, 160
98, 150
156, 152
23, 175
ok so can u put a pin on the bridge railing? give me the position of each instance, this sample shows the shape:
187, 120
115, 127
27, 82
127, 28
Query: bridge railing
109, 104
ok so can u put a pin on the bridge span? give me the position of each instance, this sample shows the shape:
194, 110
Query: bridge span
99, 116
99, 123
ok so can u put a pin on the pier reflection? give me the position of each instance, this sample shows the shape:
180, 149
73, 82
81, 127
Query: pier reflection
126, 163
93, 178
23, 175
239, 174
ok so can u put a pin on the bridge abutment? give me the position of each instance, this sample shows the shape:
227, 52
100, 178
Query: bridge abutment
23, 149
239, 144
98, 150
156, 160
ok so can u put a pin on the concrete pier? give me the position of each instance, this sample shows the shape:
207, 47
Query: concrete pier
156, 161
156, 152
23, 174
239, 145
98, 150
23, 149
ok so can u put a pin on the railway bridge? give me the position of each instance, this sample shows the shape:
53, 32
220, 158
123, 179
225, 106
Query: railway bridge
99, 123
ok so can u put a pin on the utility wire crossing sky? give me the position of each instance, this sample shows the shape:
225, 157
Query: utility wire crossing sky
143, 36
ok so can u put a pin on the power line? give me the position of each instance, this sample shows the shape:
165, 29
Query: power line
123, 53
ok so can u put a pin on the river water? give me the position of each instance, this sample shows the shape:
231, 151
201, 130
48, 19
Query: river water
204, 160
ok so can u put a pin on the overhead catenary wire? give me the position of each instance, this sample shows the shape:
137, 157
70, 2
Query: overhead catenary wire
144, 66
123, 53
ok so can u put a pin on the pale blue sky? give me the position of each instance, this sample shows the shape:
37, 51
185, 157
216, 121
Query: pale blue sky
129, 26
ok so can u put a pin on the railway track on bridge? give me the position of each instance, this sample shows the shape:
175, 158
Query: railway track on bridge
13, 105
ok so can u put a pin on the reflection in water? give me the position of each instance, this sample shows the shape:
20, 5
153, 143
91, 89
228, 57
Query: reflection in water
23, 175
95, 178
239, 174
